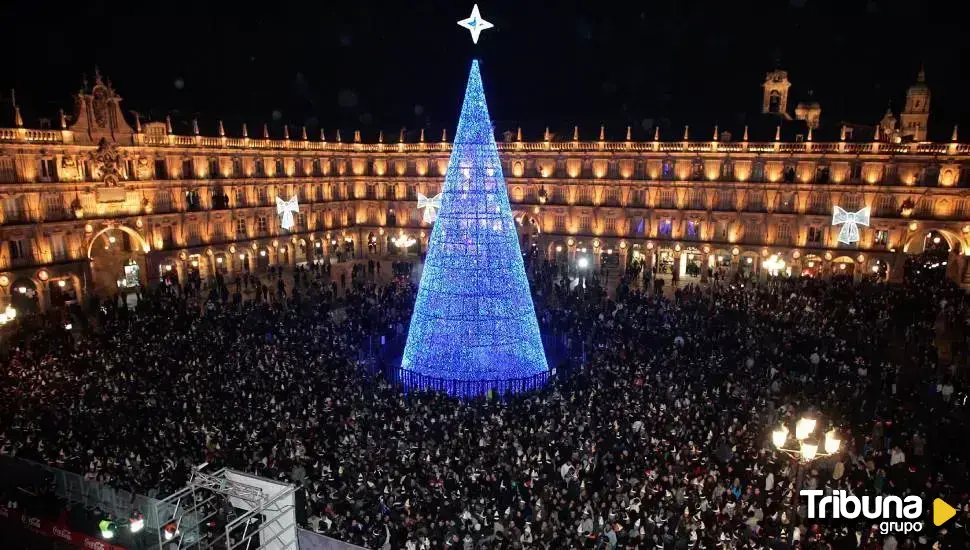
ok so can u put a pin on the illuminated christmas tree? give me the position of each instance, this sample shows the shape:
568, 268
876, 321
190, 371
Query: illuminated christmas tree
474, 327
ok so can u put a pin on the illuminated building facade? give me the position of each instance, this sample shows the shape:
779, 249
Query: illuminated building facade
101, 202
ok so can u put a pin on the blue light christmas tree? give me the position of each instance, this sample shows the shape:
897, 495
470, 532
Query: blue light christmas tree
474, 327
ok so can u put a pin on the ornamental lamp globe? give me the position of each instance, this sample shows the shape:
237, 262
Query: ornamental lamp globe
809, 449
832, 442
804, 427
779, 437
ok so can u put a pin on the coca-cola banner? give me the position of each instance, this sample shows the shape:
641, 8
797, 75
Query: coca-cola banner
50, 529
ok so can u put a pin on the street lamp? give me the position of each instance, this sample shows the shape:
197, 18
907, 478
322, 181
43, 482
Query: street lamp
806, 448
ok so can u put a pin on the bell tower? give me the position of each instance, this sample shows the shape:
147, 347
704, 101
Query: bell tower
775, 100
916, 113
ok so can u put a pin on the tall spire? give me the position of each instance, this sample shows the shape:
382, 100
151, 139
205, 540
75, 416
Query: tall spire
656, 133
474, 325
778, 133
953, 137
323, 136
380, 136
602, 132
286, 131
356, 136
444, 135
745, 138
222, 129
195, 126
63, 118
686, 132
401, 136
265, 131
245, 131
715, 132
421, 136
168, 124
303, 133
629, 134
518, 134
575, 133
547, 136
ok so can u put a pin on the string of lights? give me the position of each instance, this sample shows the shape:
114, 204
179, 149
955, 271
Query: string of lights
473, 318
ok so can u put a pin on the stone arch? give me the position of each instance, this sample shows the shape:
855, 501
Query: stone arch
143, 244
953, 239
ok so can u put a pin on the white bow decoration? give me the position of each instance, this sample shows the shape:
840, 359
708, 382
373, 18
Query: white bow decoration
850, 222
285, 210
430, 206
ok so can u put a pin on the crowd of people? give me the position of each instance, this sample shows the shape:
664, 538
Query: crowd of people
658, 439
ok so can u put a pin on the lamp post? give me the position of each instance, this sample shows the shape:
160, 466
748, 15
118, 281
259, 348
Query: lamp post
805, 447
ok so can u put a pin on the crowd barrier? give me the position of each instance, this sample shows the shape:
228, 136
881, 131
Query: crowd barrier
73, 488
52, 530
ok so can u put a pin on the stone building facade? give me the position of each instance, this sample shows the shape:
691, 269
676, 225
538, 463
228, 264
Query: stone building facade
103, 203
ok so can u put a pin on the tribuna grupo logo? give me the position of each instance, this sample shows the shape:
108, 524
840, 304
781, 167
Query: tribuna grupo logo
895, 514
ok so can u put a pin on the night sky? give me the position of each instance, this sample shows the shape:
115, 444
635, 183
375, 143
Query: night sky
374, 65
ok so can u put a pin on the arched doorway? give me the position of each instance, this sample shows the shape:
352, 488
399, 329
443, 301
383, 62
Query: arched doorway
117, 259
690, 261
25, 296
811, 266
64, 291
843, 266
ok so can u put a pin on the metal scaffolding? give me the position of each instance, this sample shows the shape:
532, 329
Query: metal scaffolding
191, 517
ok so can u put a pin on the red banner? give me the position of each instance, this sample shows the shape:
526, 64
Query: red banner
52, 530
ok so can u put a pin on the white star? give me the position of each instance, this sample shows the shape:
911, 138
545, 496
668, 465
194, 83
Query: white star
475, 24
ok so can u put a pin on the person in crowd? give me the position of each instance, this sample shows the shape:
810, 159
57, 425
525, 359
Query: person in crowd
656, 437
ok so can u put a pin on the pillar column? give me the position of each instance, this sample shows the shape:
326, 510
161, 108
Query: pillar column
180, 270
705, 265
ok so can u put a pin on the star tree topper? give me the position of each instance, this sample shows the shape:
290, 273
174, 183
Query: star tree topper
430, 206
285, 210
475, 24
850, 222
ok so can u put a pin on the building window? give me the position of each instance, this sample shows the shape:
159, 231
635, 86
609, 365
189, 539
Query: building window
187, 171
882, 237
260, 171
814, 234
787, 203
316, 167
609, 226
214, 168
758, 171
280, 170
261, 225
784, 233
161, 170
560, 222
725, 200
48, 170
261, 196
58, 248
237, 171
667, 170
241, 228
693, 229
192, 201
20, 249
722, 231
665, 228
667, 198
756, 201
55, 207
